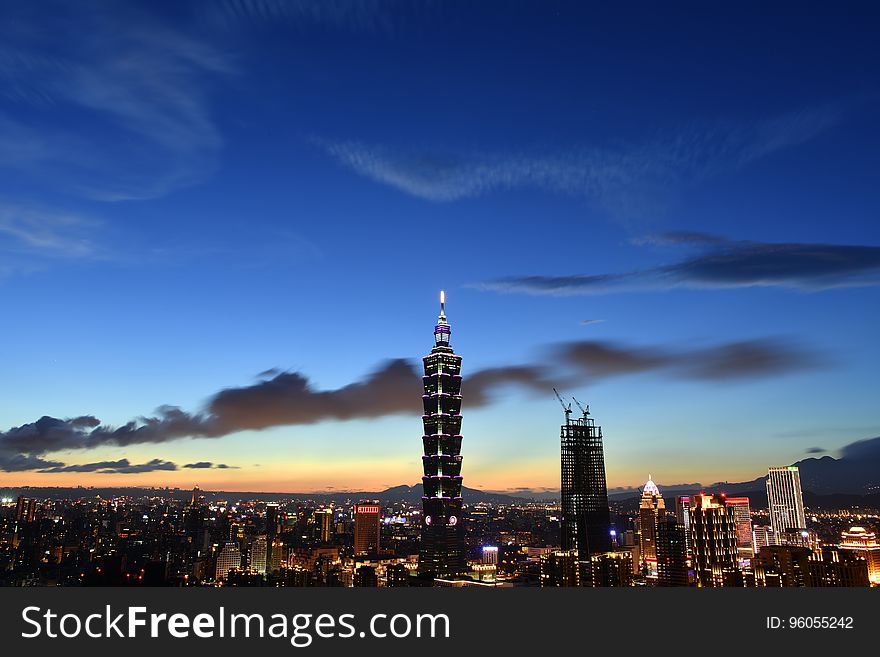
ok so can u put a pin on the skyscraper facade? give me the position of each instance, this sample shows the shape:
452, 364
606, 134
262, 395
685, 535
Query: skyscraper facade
442, 546
586, 519
785, 500
651, 507
742, 515
366, 528
228, 559
671, 548
272, 549
713, 540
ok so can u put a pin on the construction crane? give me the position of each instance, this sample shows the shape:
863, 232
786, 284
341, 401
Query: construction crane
565, 408
585, 411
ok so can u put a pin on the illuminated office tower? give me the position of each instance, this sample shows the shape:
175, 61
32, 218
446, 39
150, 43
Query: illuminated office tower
561, 568
228, 559
490, 554
586, 519
864, 543
258, 555
763, 536
324, 525
442, 548
742, 515
272, 548
25, 509
607, 570
785, 500
672, 567
713, 540
831, 566
782, 566
683, 517
366, 528
651, 507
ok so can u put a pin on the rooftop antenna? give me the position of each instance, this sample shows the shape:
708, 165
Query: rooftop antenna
442, 303
565, 408
585, 411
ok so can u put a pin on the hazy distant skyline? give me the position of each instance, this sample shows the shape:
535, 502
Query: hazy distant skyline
223, 228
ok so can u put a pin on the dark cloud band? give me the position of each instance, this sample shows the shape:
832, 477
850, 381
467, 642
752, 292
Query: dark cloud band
288, 399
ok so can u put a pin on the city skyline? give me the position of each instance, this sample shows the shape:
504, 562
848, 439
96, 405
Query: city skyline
219, 228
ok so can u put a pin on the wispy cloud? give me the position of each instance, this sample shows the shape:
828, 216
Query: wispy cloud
720, 263
288, 398
360, 15
626, 181
119, 108
34, 231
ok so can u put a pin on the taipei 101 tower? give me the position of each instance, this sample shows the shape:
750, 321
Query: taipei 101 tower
442, 549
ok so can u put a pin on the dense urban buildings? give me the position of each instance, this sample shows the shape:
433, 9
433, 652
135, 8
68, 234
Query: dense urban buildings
433, 537
442, 547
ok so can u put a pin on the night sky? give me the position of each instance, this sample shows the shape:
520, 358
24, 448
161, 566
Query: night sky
224, 227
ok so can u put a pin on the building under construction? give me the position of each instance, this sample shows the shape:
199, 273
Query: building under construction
586, 521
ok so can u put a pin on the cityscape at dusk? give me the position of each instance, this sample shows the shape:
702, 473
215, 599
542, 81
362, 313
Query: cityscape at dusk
223, 231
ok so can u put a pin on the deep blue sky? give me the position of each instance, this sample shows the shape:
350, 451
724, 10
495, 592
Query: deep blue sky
194, 193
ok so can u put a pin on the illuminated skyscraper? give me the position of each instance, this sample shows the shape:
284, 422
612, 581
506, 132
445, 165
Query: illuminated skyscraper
785, 500
442, 548
366, 528
742, 515
25, 509
651, 507
258, 555
672, 568
683, 517
713, 540
228, 559
324, 525
586, 519
272, 549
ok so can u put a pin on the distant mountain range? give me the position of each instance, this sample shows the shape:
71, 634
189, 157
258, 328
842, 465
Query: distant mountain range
410, 494
825, 480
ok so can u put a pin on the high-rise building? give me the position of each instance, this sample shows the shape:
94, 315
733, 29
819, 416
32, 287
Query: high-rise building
785, 499
365, 576
742, 515
713, 539
272, 548
607, 569
836, 567
561, 568
864, 543
651, 507
228, 559
763, 536
366, 528
782, 565
442, 547
324, 525
683, 517
586, 519
258, 555
25, 509
397, 575
672, 567
490, 554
